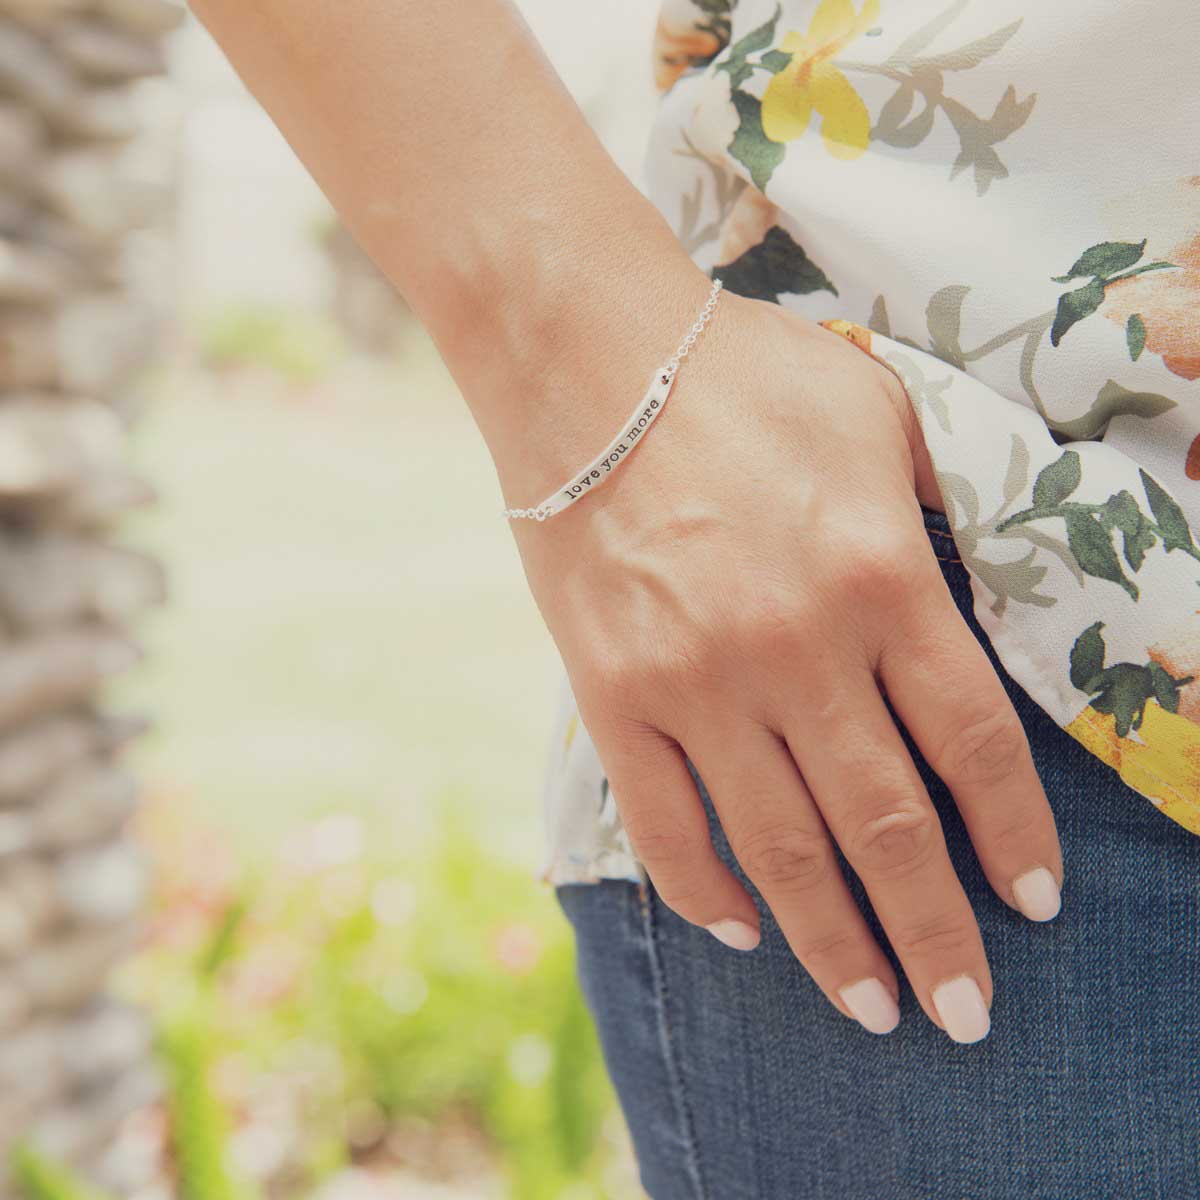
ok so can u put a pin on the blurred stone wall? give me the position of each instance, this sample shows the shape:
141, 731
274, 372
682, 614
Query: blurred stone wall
84, 193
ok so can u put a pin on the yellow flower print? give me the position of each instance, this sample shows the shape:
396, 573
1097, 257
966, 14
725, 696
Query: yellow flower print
811, 81
1162, 763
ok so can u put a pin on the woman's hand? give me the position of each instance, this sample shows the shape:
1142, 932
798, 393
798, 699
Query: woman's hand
745, 590
747, 584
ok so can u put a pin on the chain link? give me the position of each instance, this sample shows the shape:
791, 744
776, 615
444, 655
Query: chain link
533, 514
672, 366
693, 334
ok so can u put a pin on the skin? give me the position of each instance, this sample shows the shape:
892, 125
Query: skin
756, 577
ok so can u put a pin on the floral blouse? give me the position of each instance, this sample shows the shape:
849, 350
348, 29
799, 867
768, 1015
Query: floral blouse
1000, 201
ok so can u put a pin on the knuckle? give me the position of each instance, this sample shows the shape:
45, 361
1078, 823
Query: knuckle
785, 856
688, 664
1018, 833
772, 625
943, 936
616, 685
895, 841
819, 949
879, 564
680, 893
986, 749
660, 846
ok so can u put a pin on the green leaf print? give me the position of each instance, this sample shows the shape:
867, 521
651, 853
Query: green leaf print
750, 146
1091, 544
1172, 524
1057, 481
1166, 686
1103, 259
1103, 262
775, 60
1121, 512
1135, 336
1090, 527
1113, 400
735, 64
776, 265
1123, 692
1087, 657
1074, 306
1123, 689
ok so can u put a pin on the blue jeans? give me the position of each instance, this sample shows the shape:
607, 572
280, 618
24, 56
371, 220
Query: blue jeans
741, 1082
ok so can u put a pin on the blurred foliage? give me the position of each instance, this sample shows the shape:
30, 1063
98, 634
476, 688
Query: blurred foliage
345, 1019
199, 1124
351, 1009
38, 1178
301, 347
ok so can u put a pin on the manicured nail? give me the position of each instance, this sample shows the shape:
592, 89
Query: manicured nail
871, 1005
737, 934
959, 1004
1036, 894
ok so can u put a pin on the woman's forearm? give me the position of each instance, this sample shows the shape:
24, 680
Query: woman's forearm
452, 150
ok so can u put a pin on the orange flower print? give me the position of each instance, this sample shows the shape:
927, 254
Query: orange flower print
1168, 302
1179, 655
751, 216
857, 335
679, 44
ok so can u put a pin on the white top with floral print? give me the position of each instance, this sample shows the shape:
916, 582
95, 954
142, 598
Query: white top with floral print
1000, 201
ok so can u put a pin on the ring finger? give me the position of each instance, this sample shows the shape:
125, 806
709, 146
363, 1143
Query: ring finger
784, 847
867, 787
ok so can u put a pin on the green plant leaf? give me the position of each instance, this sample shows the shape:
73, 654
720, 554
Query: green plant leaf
775, 60
1057, 481
1103, 259
1087, 658
1074, 306
750, 146
1176, 533
1092, 547
1135, 336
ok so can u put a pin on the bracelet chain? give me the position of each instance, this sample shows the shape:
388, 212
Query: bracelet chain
670, 368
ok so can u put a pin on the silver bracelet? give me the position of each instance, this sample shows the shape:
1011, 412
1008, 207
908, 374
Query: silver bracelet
599, 469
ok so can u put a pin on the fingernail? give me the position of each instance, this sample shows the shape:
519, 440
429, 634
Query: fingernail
871, 1005
737, 934
1036, 894
959, 1004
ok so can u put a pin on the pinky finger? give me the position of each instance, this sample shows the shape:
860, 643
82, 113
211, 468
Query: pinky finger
667, 827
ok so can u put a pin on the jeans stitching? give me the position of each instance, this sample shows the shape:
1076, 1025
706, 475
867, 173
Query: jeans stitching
666, 1038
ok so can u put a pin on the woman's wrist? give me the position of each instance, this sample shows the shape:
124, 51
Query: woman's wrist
554, 354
